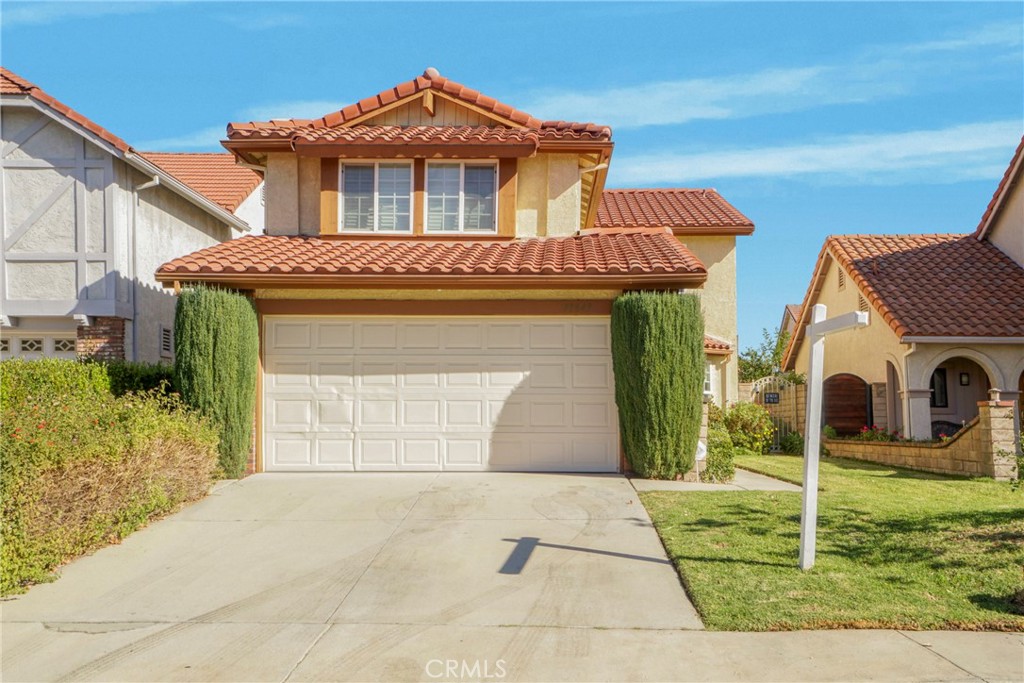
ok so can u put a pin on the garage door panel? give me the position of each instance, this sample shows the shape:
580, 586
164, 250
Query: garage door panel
291, 451
439, 394
286, 336
335, 453
331, 336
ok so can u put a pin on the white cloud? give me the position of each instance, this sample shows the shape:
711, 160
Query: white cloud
204, 140
42, 13
245, 17
296, 109
877, 73
964, 152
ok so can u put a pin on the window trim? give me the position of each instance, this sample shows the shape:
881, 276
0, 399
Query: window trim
461, 163
342, 230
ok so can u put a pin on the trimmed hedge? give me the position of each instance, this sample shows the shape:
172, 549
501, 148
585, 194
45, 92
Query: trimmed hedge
216, 345
658, 357
82, 468
126, 377
31, 381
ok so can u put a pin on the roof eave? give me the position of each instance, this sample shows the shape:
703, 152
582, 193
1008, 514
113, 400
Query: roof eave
687, 280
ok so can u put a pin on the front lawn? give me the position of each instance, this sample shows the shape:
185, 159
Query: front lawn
896, 549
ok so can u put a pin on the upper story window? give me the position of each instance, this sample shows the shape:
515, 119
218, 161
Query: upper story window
376, 197
462, 197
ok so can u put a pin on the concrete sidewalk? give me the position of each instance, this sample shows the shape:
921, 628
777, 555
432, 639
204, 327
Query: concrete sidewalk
744, 480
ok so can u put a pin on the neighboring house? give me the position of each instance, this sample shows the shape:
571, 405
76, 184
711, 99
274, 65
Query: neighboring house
790, 318
86, 221
436, 278
946, 319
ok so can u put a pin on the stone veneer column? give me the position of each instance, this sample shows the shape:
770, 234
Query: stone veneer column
917, 412
999, 439
102, 340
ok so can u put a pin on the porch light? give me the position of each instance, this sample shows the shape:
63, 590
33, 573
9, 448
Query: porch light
965, 379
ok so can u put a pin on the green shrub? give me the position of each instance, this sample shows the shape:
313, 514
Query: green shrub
216, 349
716, 416
792, 444
718, 466
25, 381
127, 377
750, 426
658, 356
82, 467
829, 432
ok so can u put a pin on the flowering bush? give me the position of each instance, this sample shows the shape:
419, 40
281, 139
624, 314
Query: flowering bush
82, 467
875, 433
750, 426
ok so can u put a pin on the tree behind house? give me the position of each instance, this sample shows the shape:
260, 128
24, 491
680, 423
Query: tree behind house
216, 345
765, 359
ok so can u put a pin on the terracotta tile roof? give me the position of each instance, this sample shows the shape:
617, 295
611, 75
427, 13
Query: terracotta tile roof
214, 175
926, 285
1010, 177
682, 209
12, 84
628, 254
447, 135
284, 129
715, 345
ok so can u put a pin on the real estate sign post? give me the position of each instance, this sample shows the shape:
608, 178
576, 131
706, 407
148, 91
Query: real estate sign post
816, 333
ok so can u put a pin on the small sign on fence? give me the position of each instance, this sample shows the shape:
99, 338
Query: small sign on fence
771, 397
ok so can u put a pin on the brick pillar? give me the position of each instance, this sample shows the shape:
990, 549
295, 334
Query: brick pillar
103, 340
998, 439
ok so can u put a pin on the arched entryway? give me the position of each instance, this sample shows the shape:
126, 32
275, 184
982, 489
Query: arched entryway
893, 402
846, 404
957, 384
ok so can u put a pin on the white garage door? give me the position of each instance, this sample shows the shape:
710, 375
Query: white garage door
439, 394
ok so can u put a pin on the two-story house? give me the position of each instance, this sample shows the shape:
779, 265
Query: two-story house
87, 219
436, 277
946, 322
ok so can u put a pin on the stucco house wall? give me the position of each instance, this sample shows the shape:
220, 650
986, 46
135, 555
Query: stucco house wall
82, 239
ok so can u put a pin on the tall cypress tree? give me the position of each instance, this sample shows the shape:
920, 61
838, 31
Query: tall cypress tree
658, 356
216, 351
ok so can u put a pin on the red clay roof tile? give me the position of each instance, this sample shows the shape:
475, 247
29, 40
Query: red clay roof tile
430, 79
676, 208
214, 175
713, 345
936, 285
625, 254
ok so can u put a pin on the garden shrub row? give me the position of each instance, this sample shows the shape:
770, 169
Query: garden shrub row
658, 358
741, 429
83, 467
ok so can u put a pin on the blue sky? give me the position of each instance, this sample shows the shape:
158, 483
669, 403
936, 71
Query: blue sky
811, 118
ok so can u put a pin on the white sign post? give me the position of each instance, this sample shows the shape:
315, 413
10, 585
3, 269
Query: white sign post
816, 333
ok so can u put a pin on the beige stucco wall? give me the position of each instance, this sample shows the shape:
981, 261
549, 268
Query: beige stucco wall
548, 195
166, 227
862, 352
437, 294
718, 299
1007, 232
282, 194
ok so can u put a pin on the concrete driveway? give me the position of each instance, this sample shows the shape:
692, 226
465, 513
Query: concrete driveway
450, 577
320, 576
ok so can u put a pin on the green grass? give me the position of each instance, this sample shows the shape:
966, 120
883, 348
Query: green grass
896, 549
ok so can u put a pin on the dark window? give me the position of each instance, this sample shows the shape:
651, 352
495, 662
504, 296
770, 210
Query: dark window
939, 397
